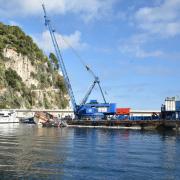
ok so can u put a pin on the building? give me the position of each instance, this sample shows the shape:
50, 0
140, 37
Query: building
170, 110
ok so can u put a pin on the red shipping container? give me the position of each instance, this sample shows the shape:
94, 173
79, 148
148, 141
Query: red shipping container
122, 111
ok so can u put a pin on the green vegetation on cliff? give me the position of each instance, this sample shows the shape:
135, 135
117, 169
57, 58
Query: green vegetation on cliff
47, 89
13, 37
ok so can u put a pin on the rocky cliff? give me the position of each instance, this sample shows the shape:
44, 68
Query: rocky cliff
28, 78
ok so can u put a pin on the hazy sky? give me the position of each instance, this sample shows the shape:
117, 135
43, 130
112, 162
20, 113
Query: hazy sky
132, 45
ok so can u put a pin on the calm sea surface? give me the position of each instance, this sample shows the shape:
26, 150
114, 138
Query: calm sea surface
29, 152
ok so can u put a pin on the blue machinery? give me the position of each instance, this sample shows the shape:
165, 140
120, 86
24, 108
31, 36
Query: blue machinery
93, 109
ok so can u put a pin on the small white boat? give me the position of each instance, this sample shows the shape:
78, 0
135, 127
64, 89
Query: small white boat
8, 116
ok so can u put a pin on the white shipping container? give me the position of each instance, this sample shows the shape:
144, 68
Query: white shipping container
170, 104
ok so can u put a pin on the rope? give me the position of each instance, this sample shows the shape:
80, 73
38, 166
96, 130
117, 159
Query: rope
75, 53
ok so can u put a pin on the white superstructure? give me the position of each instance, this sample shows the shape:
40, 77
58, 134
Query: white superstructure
172, 104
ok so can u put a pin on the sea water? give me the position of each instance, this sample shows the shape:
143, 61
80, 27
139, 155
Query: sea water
32, 152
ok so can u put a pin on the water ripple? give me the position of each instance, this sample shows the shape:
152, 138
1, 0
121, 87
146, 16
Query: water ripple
29, 152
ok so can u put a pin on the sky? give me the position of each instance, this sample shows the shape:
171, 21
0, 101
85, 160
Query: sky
132, 46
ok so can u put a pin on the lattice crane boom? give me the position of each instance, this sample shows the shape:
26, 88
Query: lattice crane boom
60, 59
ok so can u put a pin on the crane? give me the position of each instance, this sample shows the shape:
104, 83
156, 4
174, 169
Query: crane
60, 59
84, 109
96, 80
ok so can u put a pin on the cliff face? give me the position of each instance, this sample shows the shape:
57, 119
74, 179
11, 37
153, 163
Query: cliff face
28, 78
20, 64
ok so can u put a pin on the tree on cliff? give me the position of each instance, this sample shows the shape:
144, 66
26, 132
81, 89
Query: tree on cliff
16, 92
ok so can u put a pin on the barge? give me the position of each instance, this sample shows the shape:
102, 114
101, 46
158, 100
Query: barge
127, 124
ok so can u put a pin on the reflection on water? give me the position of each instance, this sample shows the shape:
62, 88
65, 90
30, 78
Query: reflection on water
27, 151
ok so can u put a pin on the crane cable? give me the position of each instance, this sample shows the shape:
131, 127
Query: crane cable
82, 62
78, 56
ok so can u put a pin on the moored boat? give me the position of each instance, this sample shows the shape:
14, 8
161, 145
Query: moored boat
8, 116
27, 120
48, 120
